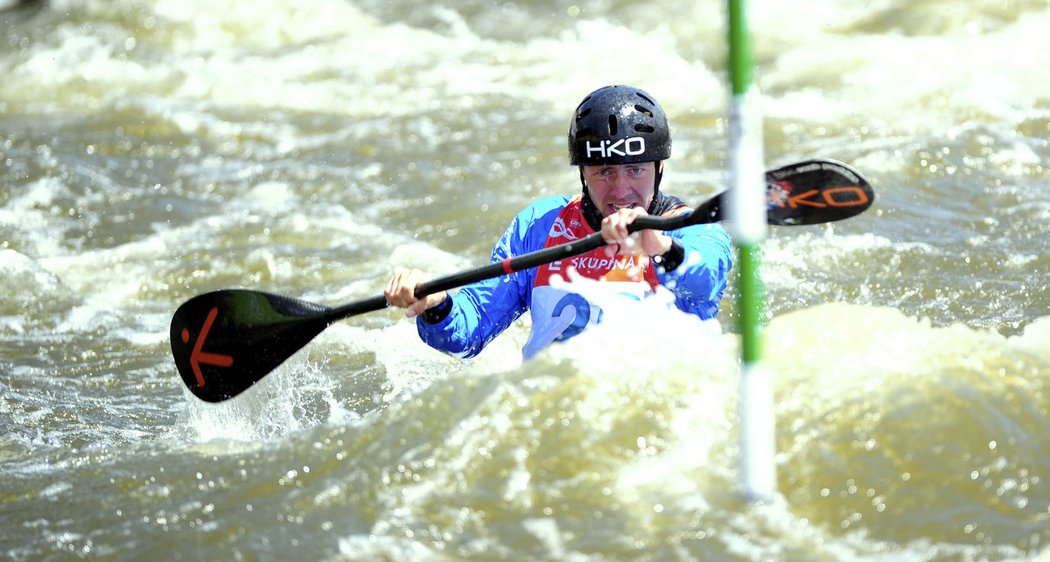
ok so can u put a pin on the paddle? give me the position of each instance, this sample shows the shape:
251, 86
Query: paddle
225, 341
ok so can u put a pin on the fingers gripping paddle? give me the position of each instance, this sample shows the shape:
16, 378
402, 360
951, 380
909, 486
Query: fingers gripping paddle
226, 341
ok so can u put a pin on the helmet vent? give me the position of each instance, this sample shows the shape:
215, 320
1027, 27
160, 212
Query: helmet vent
644, 110
644, 128
613, 126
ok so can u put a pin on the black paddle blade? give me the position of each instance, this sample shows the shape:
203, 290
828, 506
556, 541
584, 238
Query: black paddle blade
226, 341
814, 192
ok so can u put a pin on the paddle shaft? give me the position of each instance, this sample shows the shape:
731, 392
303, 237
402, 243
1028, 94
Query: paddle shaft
708, 212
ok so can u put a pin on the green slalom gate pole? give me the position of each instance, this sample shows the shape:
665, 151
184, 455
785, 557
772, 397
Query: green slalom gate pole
747, 215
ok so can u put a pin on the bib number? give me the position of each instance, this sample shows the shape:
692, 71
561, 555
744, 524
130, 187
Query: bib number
582, 308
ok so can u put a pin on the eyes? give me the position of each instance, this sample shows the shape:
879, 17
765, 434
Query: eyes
631, 171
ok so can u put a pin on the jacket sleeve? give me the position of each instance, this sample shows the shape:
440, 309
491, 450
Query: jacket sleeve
483, 310
699, 282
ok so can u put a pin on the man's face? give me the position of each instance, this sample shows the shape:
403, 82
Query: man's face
615, 187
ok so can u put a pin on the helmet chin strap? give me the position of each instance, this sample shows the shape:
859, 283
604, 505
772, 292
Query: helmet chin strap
590, 211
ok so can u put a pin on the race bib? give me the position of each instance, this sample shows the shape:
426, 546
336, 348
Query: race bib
562, 310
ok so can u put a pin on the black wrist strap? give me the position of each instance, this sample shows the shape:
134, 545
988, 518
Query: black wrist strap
437, 313
671, 259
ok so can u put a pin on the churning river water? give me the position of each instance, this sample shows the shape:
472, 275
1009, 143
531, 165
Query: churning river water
154, 150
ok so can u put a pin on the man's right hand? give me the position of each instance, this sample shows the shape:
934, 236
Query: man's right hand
401, 292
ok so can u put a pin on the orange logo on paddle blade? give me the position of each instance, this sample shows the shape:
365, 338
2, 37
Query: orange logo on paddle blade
198, 356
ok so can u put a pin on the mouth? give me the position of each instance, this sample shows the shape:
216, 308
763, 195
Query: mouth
616, 207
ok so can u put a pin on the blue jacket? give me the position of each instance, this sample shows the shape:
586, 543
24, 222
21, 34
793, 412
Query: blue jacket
481, 311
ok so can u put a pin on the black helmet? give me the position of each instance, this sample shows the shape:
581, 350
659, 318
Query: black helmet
618, 125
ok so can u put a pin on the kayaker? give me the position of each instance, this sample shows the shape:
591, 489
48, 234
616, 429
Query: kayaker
619, 139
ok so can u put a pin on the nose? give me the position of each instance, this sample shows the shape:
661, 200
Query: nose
619, 184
